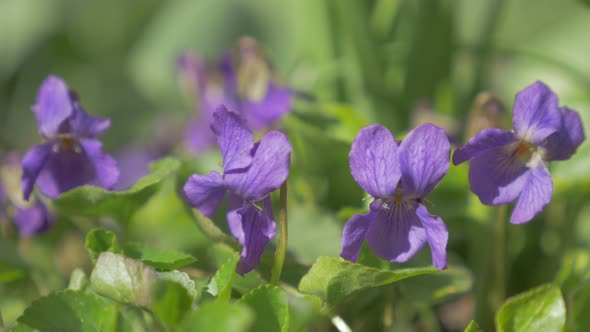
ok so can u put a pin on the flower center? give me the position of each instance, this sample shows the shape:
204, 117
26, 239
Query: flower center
66, 142
524, 151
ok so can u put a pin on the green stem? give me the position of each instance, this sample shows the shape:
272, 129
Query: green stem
499, 292
282, 240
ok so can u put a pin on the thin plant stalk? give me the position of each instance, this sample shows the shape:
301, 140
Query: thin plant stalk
283, 236
499, 291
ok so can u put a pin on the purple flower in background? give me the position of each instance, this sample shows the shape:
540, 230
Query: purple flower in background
509, 166
251, 171
133, 162
71, 154
398, 178
30, 217
243, 81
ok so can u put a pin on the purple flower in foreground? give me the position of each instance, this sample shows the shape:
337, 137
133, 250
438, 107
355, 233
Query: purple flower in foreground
398, 178
243, 81
509, 166
31, 217
251, 171
71, 154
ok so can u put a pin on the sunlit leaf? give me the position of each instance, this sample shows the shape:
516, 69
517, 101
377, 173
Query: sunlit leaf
334, 279
538, 310
123, 279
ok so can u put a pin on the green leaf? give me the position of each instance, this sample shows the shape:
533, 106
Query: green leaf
221, 283
71, 310
12, 267
575, 270
170, 301
99, 240
579, 307
123, 279
473, 327
182, 279
121, 205
334, 279
439, 287
218, 317
537, 310
158, 258
271, 306
303, 310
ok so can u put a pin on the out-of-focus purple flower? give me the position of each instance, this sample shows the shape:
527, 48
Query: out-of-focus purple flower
71, 154
398, 178
133, 162
243, 81
30, 217
251, 171
509, 166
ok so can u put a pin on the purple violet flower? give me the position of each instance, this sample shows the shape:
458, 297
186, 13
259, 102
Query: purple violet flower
30, 217
509, 166
243, 81
398, 178
71, 154
251, 171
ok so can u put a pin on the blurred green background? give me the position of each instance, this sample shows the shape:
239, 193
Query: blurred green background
394, 62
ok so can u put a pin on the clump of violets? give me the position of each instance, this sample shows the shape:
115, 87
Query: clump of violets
30, 217
71, 154
251, 171
508, 166
398, 177
243, 81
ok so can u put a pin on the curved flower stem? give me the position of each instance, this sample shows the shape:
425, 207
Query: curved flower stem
499, 292
282, 240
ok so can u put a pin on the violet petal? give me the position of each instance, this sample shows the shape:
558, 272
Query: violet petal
53, 105
268, 171
33, 220
88, 126
205, 192
234, 138
396, 234
535, 194
65, 170
437, 236
496, 176
564, 143
354, 233
485, 140
373, 161
424, 156
32, 164
105, 166
262, 114
258, 229
536, 113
